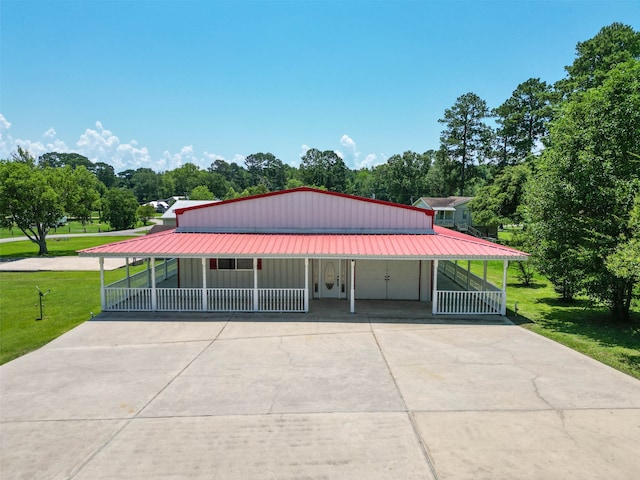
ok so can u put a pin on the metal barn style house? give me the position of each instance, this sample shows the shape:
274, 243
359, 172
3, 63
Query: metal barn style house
278, 251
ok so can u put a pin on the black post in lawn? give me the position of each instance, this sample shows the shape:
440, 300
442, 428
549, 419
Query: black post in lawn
40, 296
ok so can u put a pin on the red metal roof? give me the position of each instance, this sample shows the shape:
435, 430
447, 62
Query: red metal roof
444, 243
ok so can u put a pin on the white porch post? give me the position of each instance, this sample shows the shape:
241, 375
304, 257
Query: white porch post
306, 285
255, 285
434, 295
103, 293
484, 277
126, 262
204, 283
352, 300
154, 298
503, 309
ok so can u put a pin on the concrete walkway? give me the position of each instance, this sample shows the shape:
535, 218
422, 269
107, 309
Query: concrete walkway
68, 263
292, 396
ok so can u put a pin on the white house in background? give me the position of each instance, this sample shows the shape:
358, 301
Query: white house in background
451, 212
159, 206
282, 250
169, 217
454, 212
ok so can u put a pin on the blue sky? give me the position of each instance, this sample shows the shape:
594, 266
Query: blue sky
161, 83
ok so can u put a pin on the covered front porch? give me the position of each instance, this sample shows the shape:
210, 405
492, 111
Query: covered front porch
455, 290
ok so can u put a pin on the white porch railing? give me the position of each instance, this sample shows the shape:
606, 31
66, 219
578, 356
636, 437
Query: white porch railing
479, 297
218, 299
469, 303
281, 299
128, 299
179, 299
229, 299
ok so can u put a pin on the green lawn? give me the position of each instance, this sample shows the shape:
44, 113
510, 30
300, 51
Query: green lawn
72, 227
57, 246
71, 299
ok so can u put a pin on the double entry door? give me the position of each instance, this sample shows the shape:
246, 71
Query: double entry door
388, 279
330, 278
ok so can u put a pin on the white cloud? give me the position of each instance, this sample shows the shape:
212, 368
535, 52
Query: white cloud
101, 145
4, 124
239, 159
349, 152
347, 142
9, 145
369, 161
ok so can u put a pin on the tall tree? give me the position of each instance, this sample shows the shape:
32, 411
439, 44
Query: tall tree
613, 45
466, 138
233, 173
73, 160
441, 179
146, 185
406, 175
523, 120
323, 169
27, 198
77, 189
265, 169
106, 174
581, 196
120, 208
187, 177
624, 262
499, 203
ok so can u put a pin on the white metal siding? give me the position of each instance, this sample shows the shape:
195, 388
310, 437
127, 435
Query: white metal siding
305, 210
286, 273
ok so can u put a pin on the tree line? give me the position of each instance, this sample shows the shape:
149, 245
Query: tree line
560, 159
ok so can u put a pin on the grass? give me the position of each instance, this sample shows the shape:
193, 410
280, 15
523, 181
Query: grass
71, 299
57, 246
72, 227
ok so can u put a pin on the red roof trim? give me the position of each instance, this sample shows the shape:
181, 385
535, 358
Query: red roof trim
429, 213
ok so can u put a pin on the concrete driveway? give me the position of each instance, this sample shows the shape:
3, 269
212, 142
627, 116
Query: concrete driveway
352, 397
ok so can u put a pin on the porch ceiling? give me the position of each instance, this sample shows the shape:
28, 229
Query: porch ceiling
444, 244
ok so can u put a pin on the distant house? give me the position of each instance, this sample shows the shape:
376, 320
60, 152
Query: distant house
454, 212
160, 206
281, 251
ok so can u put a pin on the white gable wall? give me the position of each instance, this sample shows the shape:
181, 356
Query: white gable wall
304, 211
